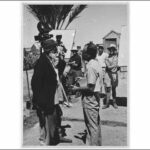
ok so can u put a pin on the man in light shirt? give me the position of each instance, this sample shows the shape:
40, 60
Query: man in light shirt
111, 76
90, 95
101, 57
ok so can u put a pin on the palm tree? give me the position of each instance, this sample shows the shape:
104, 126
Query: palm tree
57, 16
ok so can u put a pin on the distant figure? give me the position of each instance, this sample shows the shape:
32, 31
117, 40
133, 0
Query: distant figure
60, 46
61, 50
90, 95
61, 66
101, 56
75, 64
111, 76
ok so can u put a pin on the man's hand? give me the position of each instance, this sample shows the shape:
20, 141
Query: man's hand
71, 63
74, 88
64, 74
66, 70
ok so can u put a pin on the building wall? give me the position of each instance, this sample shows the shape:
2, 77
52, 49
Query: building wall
112, 38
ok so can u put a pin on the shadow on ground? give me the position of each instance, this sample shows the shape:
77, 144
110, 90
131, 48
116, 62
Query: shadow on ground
121, 101
82, 136
103, 122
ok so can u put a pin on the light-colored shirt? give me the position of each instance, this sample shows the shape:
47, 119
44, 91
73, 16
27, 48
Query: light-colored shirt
112, 63
102, 58
94, 74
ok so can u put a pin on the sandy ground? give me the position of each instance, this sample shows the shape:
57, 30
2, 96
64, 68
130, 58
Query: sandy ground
114, 127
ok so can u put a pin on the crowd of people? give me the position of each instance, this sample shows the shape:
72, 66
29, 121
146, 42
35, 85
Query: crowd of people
49, 86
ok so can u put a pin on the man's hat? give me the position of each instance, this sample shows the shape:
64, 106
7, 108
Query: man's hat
112, 46
100, 46
59, 36
74, 49
48, 44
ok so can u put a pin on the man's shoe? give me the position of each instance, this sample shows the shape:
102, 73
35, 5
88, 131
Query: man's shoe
64, 140
105, 106
42, 143
70, 104
115, 105
66, 104
78, 94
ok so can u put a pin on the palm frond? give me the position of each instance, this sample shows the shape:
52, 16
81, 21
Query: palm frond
65, 12
35, 10
43, 11
56, 15
75, 12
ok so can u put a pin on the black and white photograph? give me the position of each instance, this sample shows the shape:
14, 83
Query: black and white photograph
75, 74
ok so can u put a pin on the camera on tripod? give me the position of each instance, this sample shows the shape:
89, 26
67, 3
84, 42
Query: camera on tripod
44, 28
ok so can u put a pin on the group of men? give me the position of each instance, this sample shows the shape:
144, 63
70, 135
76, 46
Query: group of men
109, 64
49, 79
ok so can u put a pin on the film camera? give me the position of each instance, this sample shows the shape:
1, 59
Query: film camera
44, 28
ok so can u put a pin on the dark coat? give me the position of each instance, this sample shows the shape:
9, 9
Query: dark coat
44, 84
77, 60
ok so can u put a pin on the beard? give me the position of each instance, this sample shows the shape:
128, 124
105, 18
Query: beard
55, 61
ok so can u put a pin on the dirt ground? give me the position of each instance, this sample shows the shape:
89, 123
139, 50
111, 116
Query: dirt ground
113, 122
113, 126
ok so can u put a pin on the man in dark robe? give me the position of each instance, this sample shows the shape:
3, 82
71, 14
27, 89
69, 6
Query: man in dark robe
44, 85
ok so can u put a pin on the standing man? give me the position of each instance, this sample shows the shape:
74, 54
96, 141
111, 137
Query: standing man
60, 46
61, 50
61, 66
44, 85
111, 76
75, 64
90, 92
102, 56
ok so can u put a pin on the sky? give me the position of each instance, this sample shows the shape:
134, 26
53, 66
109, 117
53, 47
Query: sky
91, 25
